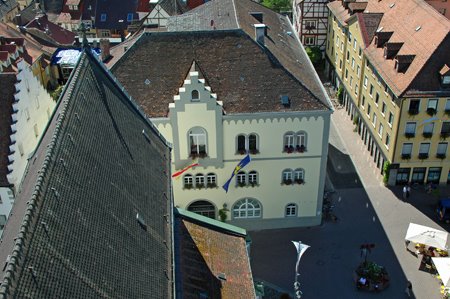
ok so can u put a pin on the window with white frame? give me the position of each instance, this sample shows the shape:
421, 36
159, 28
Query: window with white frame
197, 141
356, 89
301, 140
388, 140
253, 177
391, 118
211, 180
354, 44
241, 141
199, 180
380, 130
188, 181
410, 128
368, 110
432, 104
247, 208
365, 82
353, 63
310, 24
363, 102
287, 176
291, 210
407, 149
351, 82
442, 148
358, 69
299, 175
374, 119
241, 178
309, 40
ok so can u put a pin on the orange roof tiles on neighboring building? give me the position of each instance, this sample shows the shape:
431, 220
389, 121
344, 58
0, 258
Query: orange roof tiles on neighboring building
442, 6
424, 34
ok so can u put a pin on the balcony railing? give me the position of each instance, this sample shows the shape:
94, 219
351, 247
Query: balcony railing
445, 134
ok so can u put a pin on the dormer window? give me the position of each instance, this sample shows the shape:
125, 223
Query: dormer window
195, 97
445, 75
129, 17
103, 17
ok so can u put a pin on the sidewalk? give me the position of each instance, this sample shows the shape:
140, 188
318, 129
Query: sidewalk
393, 213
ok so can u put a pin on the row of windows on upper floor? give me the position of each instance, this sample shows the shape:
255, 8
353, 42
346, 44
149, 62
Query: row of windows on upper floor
292, 142
432, 106
428, 128
252, 208
424, 150
200, 181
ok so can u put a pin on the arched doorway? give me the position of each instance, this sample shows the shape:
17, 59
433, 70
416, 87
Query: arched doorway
204, 208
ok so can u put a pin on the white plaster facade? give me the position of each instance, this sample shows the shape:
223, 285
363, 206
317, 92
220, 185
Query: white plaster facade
158, 16
6, 202
32, 109
273, 196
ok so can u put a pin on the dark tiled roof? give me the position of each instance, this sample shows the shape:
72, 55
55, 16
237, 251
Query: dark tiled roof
98, 165
7, 90
28, 14
244, 76
204, 252
49, 33
88, 9
116, 13
172, 7
368, 25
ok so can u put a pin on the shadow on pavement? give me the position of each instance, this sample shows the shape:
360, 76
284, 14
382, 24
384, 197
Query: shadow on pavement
341, 170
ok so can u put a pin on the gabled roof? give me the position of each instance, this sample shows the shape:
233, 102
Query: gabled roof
339, 11
48, 33
94, 207
246, 76
27, 14
173, 7
368, 24
116, 14
7, 90
425, 35
211, 258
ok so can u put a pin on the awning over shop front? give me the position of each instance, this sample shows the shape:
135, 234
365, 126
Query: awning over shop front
427, 235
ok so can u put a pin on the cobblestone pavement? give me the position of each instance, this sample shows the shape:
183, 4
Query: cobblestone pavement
368, 212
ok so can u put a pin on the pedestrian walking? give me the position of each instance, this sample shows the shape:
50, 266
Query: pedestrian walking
408, 191
404, 192
408, 289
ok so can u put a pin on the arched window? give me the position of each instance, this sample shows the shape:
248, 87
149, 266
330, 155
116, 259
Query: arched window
204, 208
253, 143
211, 180
289, 141
241, 144
253, 178
287, 175
301, 141
291, 210
188, 181
199, 181
241, 178
299, 176
195, 96
197, 142
247, 208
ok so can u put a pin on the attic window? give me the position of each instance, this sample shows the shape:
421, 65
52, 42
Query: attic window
285, 101
141, 222
194, 95
103, 17
130, 17
418, 28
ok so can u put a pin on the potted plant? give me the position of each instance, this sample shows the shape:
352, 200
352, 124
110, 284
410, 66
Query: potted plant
188, 186
254, 151
211, 185
200, 186
223, 213
241, 184
431, 111
299, 181
287, 182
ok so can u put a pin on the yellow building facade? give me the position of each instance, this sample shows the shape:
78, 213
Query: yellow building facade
397, 97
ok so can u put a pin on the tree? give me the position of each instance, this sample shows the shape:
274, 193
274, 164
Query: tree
314, 54
278, 5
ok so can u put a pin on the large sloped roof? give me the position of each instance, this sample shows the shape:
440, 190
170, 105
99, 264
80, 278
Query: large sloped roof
424, 33
7, 90
211, 258
73, 232
246, 76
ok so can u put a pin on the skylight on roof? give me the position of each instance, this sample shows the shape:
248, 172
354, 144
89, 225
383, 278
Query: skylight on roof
418, 28
380, 29
103, 17
391, 5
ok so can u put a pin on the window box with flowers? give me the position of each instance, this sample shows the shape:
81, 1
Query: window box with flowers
253, 184
202, 155
194, 155
300, 181
300, 148
447, 111
287, 182
200, 186
288, 149
242, 152
188, 186
423, 156
445, 134
241, 184
254, 151
413, 111
410, 134
427, 134
406, 156
211, 185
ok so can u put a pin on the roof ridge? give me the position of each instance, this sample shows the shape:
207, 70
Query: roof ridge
33, 204
235, 14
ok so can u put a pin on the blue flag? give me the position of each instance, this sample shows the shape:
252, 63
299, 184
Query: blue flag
238, 167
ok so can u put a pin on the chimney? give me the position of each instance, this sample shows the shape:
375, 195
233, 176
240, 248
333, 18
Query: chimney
260, 32
104, 48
